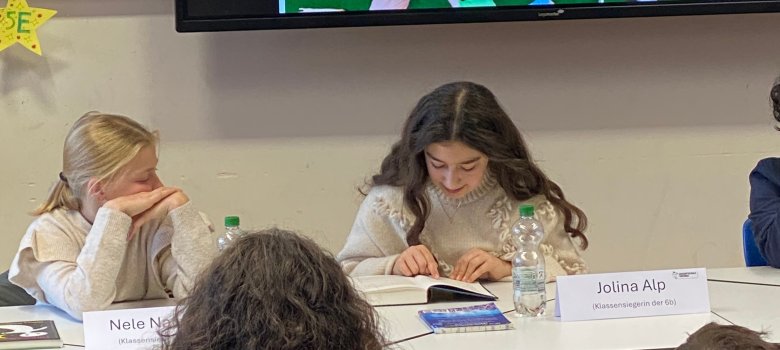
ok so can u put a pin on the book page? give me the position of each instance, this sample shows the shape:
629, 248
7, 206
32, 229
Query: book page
426, 282
368, 284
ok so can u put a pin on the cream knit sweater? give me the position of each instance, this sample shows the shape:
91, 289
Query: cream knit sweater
65, 261
482, 219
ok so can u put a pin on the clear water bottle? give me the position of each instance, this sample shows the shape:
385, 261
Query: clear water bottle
528, 265
232, 232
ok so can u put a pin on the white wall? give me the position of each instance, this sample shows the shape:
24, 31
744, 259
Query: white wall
651, 125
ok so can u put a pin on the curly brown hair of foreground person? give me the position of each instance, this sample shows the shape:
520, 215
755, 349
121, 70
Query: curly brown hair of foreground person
273, 289
727, 337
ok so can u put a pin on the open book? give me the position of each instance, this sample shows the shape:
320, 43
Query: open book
399, 290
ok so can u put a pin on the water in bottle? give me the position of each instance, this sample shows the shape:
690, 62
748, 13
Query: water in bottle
232, 232
528, 265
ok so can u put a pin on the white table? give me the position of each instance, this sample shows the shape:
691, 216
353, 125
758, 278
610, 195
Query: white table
748, 297
550, 333
753, 306
757, 307
401, 323
755, 275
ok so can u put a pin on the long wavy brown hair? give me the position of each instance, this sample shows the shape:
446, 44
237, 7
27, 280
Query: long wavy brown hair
273, 290
469, 113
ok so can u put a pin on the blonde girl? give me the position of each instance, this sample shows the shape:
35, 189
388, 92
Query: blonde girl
110, 231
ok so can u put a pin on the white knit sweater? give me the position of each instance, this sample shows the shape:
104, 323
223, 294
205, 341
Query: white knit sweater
65, 261
482, 219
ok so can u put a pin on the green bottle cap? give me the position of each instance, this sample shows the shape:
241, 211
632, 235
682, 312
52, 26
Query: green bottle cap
527, 210
231, 221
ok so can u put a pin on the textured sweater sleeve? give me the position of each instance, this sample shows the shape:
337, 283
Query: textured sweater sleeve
86, 283
765, 208
561, 256
375, 241
193, 247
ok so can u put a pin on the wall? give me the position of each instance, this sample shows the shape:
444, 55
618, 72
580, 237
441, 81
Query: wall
651, 125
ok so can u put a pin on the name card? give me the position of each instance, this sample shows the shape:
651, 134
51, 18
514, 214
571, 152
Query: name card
632, 294
125, 329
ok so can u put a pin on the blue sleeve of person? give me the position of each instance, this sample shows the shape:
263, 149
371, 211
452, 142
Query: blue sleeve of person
765, 208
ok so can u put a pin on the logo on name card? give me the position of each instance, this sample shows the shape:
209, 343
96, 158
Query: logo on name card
685, 275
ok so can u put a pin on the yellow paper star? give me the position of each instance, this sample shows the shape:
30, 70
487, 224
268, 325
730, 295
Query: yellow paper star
18, 22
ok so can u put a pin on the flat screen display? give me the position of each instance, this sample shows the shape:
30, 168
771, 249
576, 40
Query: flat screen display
218, 15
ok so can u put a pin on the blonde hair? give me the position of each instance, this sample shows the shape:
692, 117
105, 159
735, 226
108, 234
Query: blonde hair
97, 146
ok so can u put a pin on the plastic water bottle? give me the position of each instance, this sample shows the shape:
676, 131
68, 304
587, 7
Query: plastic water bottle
528, 265
232, 232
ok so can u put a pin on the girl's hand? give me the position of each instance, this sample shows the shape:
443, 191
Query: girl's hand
175, 200
135, 204
416, 260
158, 211
146, 206
477, 263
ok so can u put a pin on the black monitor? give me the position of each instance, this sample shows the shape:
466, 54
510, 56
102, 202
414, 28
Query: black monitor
221, 15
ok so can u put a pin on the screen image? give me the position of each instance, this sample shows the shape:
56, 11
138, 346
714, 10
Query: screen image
221, 15
307, 6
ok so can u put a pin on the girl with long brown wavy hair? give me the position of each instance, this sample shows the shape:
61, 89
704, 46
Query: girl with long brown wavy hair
447, 195
273, 290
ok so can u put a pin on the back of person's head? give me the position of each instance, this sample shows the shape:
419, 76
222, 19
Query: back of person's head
96, 147
469, 113
273, 289
713, 336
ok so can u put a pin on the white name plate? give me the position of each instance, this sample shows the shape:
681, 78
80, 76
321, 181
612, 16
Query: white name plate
125, 329
632, 294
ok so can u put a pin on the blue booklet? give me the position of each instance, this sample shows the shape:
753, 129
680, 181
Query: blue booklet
477, 318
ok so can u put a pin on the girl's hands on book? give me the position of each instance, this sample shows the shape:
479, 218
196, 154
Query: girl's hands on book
416, 260
479, 264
